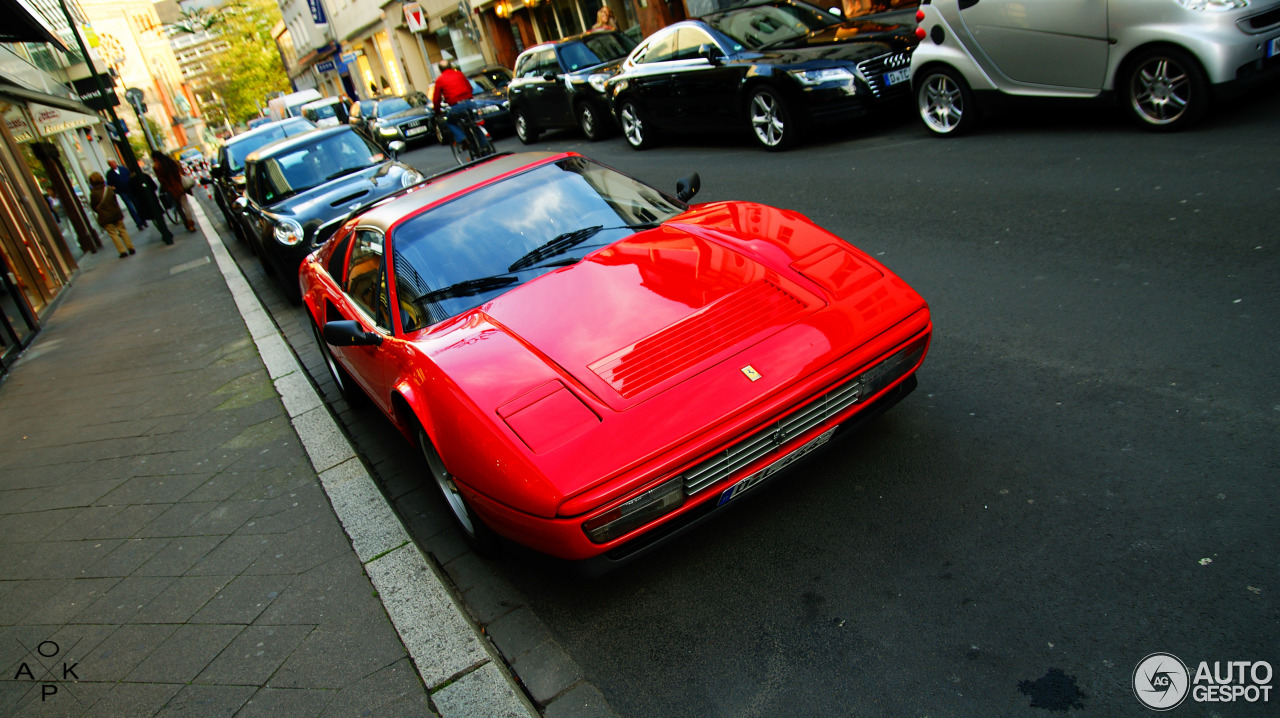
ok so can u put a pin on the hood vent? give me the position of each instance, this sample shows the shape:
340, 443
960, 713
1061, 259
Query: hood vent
348, 199
696, 338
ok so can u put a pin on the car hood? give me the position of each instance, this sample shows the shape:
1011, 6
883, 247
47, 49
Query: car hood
850, 40
639, 347
604, 68
408, 115
340, 195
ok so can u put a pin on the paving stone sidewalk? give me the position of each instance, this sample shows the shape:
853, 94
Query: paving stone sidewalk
165, 546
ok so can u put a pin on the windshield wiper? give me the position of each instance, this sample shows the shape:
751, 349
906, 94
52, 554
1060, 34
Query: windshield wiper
564, 242
345, 171
469, 288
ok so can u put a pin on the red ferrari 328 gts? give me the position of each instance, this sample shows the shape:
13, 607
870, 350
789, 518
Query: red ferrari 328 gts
590, 365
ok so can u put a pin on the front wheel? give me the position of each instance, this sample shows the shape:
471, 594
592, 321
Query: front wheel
481, 537
945, 102
1166, 89
481, 145
771, 122
637, 131
347, 388
525, 130
590, 121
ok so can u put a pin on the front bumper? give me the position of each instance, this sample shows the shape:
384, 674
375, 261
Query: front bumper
564, 537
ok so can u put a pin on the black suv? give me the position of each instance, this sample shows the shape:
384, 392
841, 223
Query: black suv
561, 84
226, 176
384, 120
300, 189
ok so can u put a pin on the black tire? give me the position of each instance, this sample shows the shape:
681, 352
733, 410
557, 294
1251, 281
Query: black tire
591, 121
347, 388
945, 102
1165, 89
772, 123
482, 538
636, 128
525, 128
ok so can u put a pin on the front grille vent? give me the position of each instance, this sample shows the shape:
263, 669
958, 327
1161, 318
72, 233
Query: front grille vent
769, 439
873, 71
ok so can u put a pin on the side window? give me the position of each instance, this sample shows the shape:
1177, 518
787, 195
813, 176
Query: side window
524, 68
338, 258
660, 49
410, 288
688, 41
547, 63
367, 277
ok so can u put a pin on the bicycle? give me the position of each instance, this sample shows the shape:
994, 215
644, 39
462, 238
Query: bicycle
477, 143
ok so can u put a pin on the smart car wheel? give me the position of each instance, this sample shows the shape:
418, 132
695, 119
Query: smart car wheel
346, 387
771, 121
481, 537
525, 130
1166, 89
946, 104
638, 132
589, 121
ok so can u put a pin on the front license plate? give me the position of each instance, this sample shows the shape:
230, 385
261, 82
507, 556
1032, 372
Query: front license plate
760, 476
414, 131
893, 78
1273, 47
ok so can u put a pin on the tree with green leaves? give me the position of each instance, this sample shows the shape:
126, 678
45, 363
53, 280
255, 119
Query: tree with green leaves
250, 68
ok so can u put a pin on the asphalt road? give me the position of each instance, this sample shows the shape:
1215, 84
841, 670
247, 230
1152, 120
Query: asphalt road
1085, 476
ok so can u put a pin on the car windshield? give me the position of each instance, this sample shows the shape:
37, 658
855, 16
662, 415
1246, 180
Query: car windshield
594, 50
323, 111
760, 26
457, 256
302, 168
242, 147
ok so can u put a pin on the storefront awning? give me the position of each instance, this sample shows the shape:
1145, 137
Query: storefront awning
25, 24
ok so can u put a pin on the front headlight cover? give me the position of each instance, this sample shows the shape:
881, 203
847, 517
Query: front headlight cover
388, 131
597, 82
823, 76
410, 178
633, 513
288, 232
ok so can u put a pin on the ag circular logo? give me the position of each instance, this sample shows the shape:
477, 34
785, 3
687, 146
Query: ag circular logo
1161, 681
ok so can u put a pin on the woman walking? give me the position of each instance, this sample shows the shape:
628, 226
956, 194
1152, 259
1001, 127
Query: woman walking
103, 201
169, 173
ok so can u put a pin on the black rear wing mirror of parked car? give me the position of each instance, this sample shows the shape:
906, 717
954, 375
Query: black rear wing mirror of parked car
687, 187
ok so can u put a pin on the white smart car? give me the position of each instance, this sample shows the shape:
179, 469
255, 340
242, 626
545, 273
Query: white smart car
1163, 60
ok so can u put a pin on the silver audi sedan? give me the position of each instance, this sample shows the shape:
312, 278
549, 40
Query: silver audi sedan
1164, 61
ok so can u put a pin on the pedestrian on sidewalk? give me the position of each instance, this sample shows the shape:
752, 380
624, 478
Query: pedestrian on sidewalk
118, 180
143, 189
169, 173
103, 201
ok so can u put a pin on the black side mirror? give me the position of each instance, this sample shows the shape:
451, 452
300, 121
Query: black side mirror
347, 333
687, 187
395, 147
549, 76
710, 53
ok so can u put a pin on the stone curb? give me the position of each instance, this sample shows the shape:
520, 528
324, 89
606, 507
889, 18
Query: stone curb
458, 666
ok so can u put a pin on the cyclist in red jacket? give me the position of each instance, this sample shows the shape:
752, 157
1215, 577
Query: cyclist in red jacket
453, 87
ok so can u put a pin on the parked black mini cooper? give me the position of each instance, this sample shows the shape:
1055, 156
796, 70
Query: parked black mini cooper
300, 189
